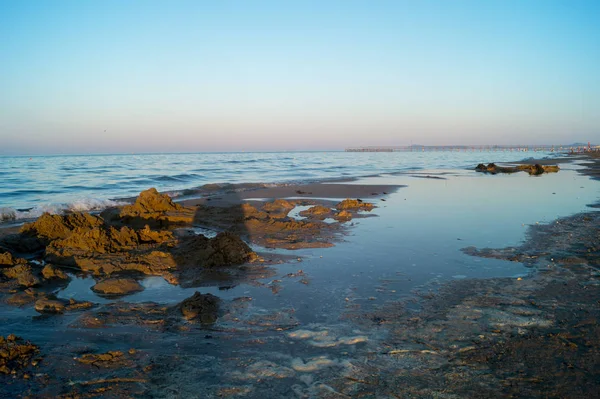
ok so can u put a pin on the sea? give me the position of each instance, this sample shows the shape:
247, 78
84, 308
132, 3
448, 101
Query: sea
30, 186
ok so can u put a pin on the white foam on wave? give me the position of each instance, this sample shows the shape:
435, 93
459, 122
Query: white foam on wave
80, 205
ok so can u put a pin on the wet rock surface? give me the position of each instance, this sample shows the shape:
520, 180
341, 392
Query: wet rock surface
202, 308
117, 287
16, 355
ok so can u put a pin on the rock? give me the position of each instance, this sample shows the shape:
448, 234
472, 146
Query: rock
15, 354
147, 235
354, 204
23, 298
117, 286
150, 201
7, 259
50, 305
278, 208
200, 307
78, 305
250, 212
343, 216
226, 249
317, 210
51, 227
154, 208
533, 170
50, 272
23, 274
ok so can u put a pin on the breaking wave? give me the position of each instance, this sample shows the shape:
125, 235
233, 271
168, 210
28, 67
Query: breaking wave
82, 205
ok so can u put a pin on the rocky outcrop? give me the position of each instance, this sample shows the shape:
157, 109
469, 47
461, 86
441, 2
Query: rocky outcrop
52, 227
156, 209
534, 170
117, 287
203, 308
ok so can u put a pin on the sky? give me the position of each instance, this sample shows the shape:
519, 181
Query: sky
169, 76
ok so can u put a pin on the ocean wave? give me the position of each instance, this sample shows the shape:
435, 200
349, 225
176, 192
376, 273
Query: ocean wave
8, 214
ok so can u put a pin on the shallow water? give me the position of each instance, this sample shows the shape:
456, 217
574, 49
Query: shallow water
30, 186
411, 246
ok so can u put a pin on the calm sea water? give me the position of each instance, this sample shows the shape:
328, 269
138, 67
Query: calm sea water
30, 186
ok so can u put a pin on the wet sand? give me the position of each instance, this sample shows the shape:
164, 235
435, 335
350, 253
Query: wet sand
530, 336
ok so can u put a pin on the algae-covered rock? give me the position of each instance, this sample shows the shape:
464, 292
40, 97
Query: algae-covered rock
201, 307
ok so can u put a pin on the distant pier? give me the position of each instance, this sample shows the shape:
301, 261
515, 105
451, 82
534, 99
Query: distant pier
476, 148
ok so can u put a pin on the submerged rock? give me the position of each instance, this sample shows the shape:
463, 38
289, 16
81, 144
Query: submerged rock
201, 307
15, 354
50, 305
117, 286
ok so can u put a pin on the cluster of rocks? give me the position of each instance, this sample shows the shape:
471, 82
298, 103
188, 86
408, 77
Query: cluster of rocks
16, 355
534, 170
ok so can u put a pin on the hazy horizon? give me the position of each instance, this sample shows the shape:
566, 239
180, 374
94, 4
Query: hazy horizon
183, 76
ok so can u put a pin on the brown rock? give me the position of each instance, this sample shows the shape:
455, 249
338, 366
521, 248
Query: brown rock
6, 259
318, 211
23, 274
53, 273
226, 249
279, 207
250, 212
354, 204
117, 286
200, 307
50, 305
15, 354
150, 201
78, 305
52, 227
343, 216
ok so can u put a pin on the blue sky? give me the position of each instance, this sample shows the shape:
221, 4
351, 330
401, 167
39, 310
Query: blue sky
286, 75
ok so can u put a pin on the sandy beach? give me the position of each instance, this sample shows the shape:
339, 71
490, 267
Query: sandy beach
232, 293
